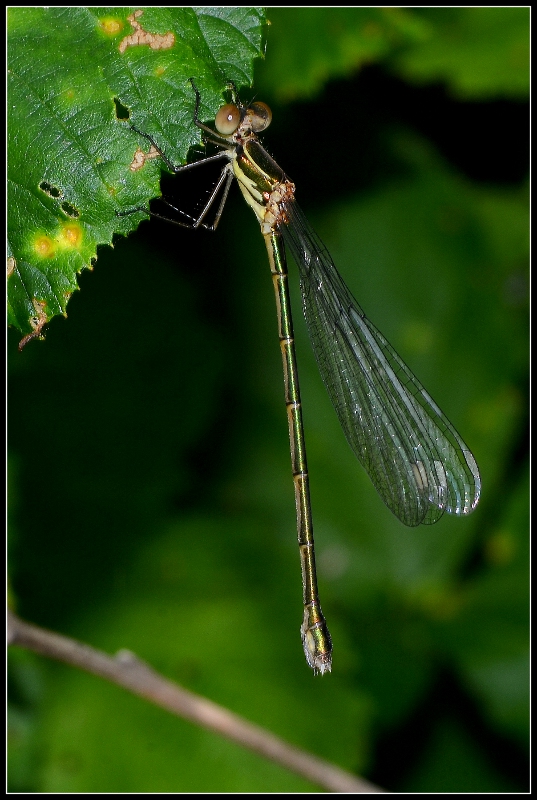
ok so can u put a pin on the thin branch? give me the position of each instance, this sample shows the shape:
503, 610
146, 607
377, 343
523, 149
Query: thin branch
130, 672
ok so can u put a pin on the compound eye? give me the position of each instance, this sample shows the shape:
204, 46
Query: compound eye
260, 115
227, 119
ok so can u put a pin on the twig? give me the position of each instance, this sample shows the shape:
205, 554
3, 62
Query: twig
130, 672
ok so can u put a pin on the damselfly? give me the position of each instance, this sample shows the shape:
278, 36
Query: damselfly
417, 461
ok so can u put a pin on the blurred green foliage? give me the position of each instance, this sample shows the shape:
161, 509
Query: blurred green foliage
479, 53
151, 504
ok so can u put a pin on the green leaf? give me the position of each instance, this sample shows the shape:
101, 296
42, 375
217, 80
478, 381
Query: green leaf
75, 76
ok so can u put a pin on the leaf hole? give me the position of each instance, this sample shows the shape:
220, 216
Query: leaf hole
122, 112
51, 190
70, 210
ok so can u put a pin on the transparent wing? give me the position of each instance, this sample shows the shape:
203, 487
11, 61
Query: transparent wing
417, 461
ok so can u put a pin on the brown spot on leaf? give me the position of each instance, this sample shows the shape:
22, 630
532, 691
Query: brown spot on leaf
11, 266
156, 41
140, 158
37, 322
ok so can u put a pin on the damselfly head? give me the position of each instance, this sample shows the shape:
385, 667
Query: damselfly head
256, 117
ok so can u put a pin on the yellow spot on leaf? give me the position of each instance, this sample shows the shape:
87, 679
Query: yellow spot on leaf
68, 237
44, 246
71, 235
11, 266
111, 25
156, 41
